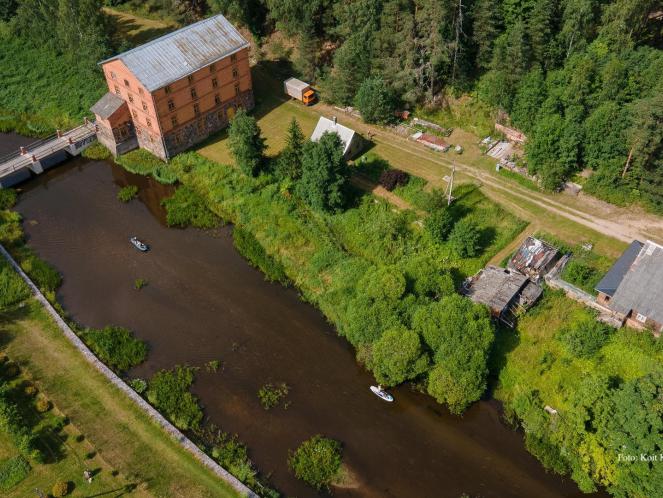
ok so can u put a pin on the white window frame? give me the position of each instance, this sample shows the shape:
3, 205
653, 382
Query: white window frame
641, 318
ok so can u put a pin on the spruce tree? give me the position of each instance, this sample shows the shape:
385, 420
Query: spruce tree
246, 143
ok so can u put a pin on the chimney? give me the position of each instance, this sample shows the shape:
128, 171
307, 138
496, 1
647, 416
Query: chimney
334, 120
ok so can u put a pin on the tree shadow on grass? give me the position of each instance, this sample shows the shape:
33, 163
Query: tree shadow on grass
506, 340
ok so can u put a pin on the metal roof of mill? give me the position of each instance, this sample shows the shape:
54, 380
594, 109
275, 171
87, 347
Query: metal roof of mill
173, 56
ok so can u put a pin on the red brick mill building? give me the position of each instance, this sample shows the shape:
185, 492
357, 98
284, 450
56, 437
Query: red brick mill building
173, 92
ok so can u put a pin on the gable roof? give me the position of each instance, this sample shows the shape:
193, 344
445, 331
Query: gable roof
327, 125
641, 289
182, 52
495, 287
611, 280
107, 105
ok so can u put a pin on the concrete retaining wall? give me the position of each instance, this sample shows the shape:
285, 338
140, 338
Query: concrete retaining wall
159, 419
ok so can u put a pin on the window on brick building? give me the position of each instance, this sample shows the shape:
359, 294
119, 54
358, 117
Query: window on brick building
190, 78
212, 67
196, 109
167, 89
140, 90
126, 83
233, 58
117, 89
149, 122
131, 99
217, 99
144, 106
171, 105
237, 89
113, 75
173, 121
194, 94
235, 73
215, 83
134, 113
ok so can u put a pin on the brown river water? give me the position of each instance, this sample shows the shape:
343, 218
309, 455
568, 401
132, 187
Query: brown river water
204, 302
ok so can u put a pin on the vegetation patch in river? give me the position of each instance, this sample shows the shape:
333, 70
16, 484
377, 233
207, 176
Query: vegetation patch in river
116, 347
127, 193
187, 208
317, 461
270, 395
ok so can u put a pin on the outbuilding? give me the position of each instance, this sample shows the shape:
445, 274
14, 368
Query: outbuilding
352, 142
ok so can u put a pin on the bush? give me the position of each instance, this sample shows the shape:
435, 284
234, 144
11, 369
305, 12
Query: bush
270, 395
186, 208
138, 385
30, 390
580, 274
127, 193
42, 405
10, 370
44, 275
393, 178
8, 198
464, 238
13, 289
13, 471
439, 224
249, 247
169, 392
585, 336
60, 489
375, 101
139, 161
139, 283
116, 347
96, 152
397, 356
317, 461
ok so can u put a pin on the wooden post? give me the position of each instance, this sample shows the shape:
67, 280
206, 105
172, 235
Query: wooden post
59, 133
628, 161
85, 120
34, 159
24, 151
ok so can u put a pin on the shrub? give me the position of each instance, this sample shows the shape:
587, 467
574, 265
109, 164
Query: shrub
232, 455
13, 471
164, 174
30, 390
317, 461
270, 395
139, 161
60, 489
7, 198
585, 336
246, 143
580, 274
169, 392
138, 385
127, 193
249, 247
45, 276
13, 289
187, 208
392, 178
439, 224
11, 232
139, 283
42, 405
464, 238
10, 370
96, 152
375, 101
116, 347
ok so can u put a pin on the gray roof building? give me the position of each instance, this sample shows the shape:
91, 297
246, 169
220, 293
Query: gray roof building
610, 282
350, 138
641, 288
182, 52
534, 258
107, 105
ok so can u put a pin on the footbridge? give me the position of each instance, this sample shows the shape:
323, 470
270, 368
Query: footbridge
39, 156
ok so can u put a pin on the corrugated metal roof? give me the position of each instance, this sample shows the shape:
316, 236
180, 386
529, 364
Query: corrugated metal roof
532, 257
328, 125
106, 106
611, 280
495, 287
641, 289
180, 53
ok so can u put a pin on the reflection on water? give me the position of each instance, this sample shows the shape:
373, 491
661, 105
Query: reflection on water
203, 303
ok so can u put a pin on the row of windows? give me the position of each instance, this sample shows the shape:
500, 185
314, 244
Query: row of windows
196, 108
126, 83
215, 82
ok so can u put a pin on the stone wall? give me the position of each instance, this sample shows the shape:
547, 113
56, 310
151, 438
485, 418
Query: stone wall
159, 419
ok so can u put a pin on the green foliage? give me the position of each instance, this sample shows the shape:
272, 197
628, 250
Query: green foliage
96, 152
140, 162
127, 193
581, 274
465, 238
317, 461
246, 143
439, 224
289, 162
249, 247
168, 392
397, 356
8, 198
60, 489
271, 395
231, 455
45, 276
13, 289
138, 385
11, 233
12, 471
116, 347
139, 283
186, 208
460, 335
325, 174
585, 337
375, 101
14, 425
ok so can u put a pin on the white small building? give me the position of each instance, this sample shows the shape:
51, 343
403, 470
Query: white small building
352, 142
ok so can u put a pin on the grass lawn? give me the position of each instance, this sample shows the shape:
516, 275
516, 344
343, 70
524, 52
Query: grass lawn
124, 438
138, 30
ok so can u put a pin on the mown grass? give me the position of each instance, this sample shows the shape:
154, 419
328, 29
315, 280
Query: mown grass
124, 437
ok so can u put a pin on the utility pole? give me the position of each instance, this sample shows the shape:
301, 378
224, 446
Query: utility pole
450, 184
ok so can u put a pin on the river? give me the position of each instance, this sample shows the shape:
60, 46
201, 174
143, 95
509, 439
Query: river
203, 302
